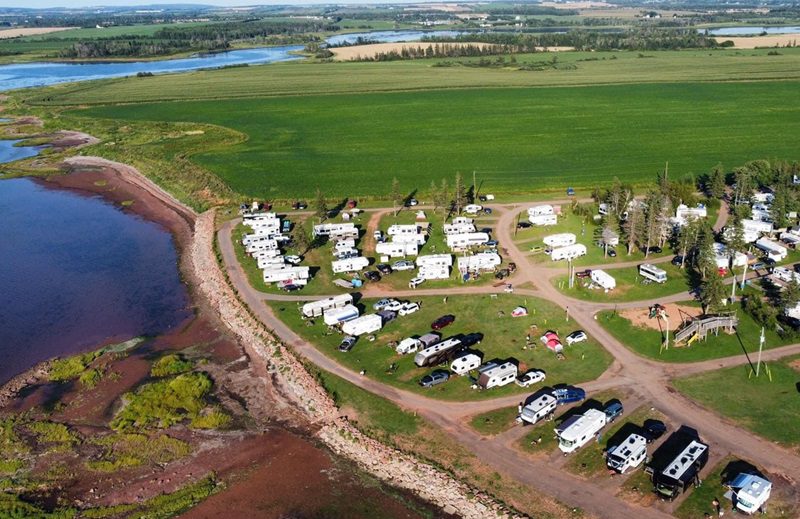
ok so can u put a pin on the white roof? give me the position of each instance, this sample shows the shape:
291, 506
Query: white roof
590, 421
685, 459
752, 486
632, 444
501, 369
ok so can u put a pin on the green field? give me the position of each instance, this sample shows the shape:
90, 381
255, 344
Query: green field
630, 286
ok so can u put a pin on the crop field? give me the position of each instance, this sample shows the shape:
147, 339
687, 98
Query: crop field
516, 140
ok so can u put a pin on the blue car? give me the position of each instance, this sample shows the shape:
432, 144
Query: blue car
613, 411
569, 395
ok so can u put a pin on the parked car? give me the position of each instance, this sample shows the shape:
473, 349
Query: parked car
387, 315
415, 282
758, 265
372, 275
347, 343
770, 262
393, 306
530, 378
536, 249
299, 206
291, 288
502, 274
384, 268
471, 339
612, 253
491, 243
378, 235
569, 395
435, 378
408, 309
487, 230
613, 411
512, 267
523, 225
403, 265
443, 321
654, 249
380, 305
293, 260
583, 274
487, 210
286, 226
653, 430
576, 336
412, 202
677, 261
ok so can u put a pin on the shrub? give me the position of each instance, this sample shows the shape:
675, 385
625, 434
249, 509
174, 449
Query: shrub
170, 365
70, 368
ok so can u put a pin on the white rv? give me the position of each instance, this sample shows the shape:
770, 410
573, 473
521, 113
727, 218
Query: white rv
560, 240
261, 245
498, 376
760, 215
268, 253
541, 210
396, 250
396, 229
479, 262
416, 239
569, 252
408, 345
438, 260
317, 308
465, 363
543, 220
774, 251
458, 228
350, 233
369, 323
604, 280
463, 241
462, 219
437, 353
684, 212
653, 273
326, 229
349, 265
756, 226
341, 315
265, 263
433, 272
287, 273
749, 492
473, 208
539, 408
579, 430
791, 239
346, 244
628, 455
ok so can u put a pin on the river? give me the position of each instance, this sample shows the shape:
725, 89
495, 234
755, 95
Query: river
752, 31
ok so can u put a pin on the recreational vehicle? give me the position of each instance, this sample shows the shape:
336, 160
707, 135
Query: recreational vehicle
335, 316
429, 339
345, 253
479, 262
473, 208
349, 233
437, 353
539, 408
369, 323
437, 260
247, 239
433, 272
541, 210
349, 265
627, 455
458, 228
682, 471
760, 215
261, 245
602, 279
396, 250
784, 274
408, 345
498, 376
462, 219
346, 244
416, 239
465, 363
579, 430
543, 219
326, 229
791, 239
749, 492
464, 241
265, 263
756, 226
296, 275
397, 229
684, 212
569, 252
653, 273
560, 240
774, 251
268, 253
317, 308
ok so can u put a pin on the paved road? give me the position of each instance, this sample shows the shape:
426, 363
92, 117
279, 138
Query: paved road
647, 378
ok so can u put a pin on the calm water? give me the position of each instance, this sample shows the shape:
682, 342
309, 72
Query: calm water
388, 36
76, 272
9, 152
749, 31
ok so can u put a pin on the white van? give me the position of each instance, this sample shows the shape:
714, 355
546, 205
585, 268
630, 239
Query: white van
464, 364
408, 345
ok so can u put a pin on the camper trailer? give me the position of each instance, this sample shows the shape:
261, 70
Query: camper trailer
326, 229
682, 471
774, 251
756, 226
479, 262
602, 279
408, 345
458, 228
396, 250
349, 265
467, 240
653, 273
261, 245
465, 363
684, 212
345, 244
543, 220
539, 408
437, 353
569, 252
295, 275
369, 323
628, 455
541, 210
579, 430
437, 260
318, 308
784, 274
433, 272
267, 263
749, 492
791, 239
560, 240
398, 229
348, 233
336, 316
473, 208
498, 376
269, 253
462, 219
416, 239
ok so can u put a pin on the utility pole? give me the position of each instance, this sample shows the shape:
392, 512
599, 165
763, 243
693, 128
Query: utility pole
569, 272
760, 348
474, 185
733, 288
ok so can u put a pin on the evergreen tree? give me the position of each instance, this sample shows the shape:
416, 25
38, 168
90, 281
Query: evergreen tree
734, 238
633, 227
460, 194
397, 198
716, 182
437, 199
320, 206
444, 196
706, 257
300, 239
791, 294
688, 236
712, 293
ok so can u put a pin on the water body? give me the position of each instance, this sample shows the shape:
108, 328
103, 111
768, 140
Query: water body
389, 36
752, 31
10, 152
77, 272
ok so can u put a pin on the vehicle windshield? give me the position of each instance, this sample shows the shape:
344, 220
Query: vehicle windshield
566, 443
615, 461
744, 503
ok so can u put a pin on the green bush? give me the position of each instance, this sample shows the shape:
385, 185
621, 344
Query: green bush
214, 419
52, 432
131, 450
90, 378
170, 365
70, 368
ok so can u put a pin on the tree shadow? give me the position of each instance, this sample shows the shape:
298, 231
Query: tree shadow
334, 211
407, 200
736, 467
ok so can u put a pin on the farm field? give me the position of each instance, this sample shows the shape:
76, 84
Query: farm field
517, 140
504, 338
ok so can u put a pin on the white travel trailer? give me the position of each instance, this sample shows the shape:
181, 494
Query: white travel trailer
317, 308
326, 229
463, 241
602, 279
578, 430
539, 408
569, 252
473, 208
628, 455
437, 353
462, 220
269, 263
560, 240
345, 253
264, 225
465, 363
335, 316
247, 239
433, 272
343, 234
287, 273
349, 265
396, 229
749, 492
369, 323
269, 253
784, 274
459, 228
438, 260
408, 345
791, 239
541, 210
543, 220
498, 376
343, 245
774, 251
722, 258
417, 239
684, 212
653, 273
261, 245
761, 215
396, 250
756, 226
479, 262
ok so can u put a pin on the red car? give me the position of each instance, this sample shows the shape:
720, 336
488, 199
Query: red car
445, 320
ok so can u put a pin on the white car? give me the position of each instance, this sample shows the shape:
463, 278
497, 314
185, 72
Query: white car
380, 305
394, 306
408, 308
576, 336
403, 265
414, 283
530, 378
293, 260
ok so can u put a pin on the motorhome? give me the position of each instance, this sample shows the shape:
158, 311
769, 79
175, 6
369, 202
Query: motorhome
627, 455
396, 250
578, 430
350, 265
270, 262
498, 376
473, 208
465, 363
397, 229
569, 252
350, 233
437, 353
560, 240
479, 262
682, 471
459, 228
543, 220
433, 272
295, 275
756, 226
749, 492
317, 308
463, 220
261, 245
539, 408
345, 244
325, 229
653, 273
369, 323
603, 279
541, 210
438, 260
417, 239
774, 251
408, 345
686, 213
335, 316
466, 240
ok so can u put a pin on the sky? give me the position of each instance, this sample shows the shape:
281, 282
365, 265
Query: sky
88, 3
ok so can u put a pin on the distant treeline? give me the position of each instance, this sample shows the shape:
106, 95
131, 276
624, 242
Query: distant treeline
437, 50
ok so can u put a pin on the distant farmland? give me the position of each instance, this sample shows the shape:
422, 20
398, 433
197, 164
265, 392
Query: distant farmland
517, 140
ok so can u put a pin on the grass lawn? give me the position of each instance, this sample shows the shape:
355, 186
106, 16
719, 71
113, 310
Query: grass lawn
504, 337
495, 421
298, 144
767, 407
647, 341
630, 286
